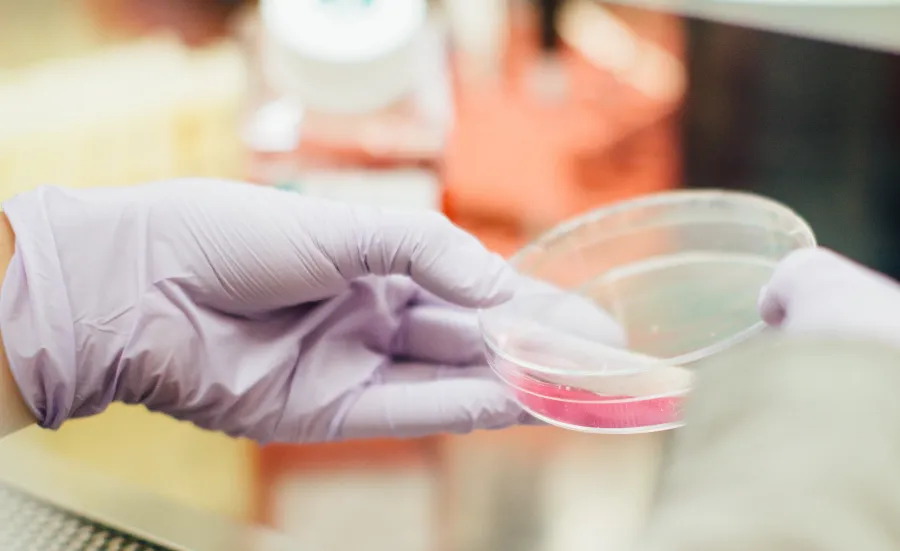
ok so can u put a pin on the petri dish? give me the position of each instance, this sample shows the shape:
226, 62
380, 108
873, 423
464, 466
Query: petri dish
620, 305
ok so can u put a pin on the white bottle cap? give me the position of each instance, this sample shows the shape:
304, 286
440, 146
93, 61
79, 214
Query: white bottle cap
342, 56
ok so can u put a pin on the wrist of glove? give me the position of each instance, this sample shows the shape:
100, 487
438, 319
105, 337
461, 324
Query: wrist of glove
14, 413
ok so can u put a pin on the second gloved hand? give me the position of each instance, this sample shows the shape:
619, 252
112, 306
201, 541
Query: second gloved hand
817, 292
252, 311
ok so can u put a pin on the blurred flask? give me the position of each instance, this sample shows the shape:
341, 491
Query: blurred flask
350, 99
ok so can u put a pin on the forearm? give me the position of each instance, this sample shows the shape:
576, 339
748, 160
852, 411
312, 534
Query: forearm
14, 414
790, 447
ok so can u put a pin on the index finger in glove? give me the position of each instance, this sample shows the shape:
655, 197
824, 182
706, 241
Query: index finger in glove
427, 247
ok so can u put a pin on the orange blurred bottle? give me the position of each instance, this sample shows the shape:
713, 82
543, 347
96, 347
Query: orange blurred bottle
581, 118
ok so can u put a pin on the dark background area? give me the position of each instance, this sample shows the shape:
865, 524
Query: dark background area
812, 124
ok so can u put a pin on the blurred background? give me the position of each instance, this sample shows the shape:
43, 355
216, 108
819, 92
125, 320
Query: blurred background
510, 116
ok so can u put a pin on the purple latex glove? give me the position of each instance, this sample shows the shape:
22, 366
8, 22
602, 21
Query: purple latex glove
252, 311
815, 291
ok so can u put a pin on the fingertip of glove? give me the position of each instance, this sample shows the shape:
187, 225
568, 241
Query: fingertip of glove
503, 282
479, 283
772, 301
770, 310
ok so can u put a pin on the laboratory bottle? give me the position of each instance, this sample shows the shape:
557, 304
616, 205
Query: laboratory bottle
348, 99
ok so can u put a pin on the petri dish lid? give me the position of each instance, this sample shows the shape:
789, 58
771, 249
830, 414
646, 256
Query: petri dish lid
656, 282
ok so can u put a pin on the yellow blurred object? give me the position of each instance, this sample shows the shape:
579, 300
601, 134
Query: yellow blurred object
125, 115
36, 30
129, 114
159, 455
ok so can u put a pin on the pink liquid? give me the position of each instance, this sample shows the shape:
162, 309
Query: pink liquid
583, 408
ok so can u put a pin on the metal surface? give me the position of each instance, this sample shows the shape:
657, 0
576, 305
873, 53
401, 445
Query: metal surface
872, 25
29, 523
48, 505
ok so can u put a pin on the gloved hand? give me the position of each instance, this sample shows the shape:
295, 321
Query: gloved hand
802, 425
251, 311
817, 292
